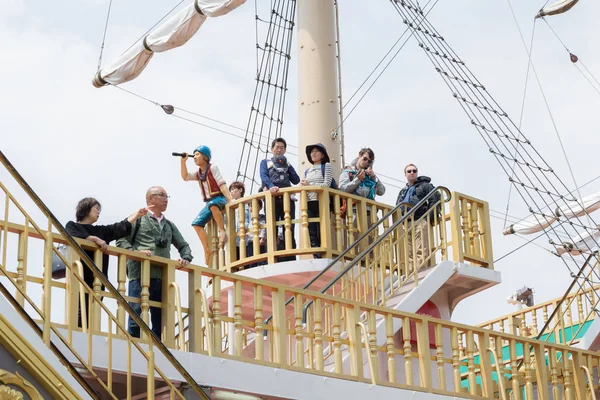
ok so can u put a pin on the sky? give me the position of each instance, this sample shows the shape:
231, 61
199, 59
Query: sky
70, 140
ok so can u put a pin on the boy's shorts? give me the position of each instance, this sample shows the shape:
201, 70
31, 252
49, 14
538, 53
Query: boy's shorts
205, 214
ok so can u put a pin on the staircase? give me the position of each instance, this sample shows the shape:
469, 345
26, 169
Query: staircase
105, 360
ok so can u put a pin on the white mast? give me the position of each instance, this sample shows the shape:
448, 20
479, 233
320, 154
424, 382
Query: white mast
318, 95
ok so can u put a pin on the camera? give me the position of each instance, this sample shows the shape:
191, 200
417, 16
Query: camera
161, 242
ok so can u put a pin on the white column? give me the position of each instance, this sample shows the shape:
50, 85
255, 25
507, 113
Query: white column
318, 95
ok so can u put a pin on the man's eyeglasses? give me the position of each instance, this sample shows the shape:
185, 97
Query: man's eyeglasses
166, 196
411, 171
365, 158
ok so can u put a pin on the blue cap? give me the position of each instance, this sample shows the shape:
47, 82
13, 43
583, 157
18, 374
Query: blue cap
203, 150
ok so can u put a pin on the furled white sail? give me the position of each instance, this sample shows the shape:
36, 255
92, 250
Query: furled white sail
558, 7
173, 33
536, 223
585, 243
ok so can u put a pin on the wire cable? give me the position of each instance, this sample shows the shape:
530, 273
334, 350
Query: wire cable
104, 35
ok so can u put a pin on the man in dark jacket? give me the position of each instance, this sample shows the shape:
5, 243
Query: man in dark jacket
277, 173
416, 189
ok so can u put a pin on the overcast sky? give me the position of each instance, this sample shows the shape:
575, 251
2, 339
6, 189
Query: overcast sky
70, 140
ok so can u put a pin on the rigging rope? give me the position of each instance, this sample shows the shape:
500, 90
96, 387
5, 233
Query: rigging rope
266, 113
174, 114
384, 68
534, 180
104, 35
529, 61
577, 60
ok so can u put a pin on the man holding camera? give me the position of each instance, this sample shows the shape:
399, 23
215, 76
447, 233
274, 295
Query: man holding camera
153, 234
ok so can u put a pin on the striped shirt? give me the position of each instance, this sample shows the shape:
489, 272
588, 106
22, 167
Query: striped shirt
314, 176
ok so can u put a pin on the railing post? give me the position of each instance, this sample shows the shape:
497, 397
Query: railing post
486, 232
145, 296
303, 212
72, 288
271, 233
455, 360
279, 327
424, 354
325, 226
216, 309
47, 286
150, 377
457, 231
95, 294
168, 307
337, 338
22, 262
318, 330
122, 278
298, 306
541, 371
578, 360
237, 317
391, 347
195, 328
259, 345
407, 347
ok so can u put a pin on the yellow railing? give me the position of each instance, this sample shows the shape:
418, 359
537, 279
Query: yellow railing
463, 228
330, 341
338, 230
562, 320
26, 269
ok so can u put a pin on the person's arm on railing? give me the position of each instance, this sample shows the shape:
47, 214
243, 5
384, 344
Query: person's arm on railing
76, 230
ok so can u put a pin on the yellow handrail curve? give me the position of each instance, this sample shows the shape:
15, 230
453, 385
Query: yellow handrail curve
498, 372
370, 358
180, 337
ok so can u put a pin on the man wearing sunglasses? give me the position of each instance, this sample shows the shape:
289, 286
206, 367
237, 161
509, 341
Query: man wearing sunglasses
416, 189
360, 179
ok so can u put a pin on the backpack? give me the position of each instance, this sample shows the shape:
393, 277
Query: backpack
279, 174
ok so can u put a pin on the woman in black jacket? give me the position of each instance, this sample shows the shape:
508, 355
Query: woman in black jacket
87, 214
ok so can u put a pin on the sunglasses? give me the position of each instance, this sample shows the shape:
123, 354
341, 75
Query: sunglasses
410, 171
365, 158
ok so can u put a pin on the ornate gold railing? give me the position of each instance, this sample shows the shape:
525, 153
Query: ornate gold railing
26, 269
427, 347
562, 320
463, 228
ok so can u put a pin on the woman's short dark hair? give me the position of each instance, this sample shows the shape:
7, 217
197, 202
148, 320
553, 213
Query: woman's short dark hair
84, 207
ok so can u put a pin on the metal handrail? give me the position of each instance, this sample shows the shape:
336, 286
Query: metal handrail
98, 274
500, 376
180, 337
367, 347
209, 337
370, 248
361, 238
